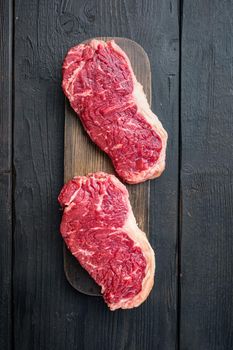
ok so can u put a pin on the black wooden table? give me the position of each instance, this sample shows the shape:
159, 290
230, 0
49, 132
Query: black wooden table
190, 46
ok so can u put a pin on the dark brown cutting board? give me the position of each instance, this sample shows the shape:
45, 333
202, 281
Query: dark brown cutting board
82, 156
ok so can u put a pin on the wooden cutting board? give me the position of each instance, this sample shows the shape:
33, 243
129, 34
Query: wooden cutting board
82, 156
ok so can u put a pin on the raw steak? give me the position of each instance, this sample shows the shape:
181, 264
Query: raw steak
100, 230
102, 89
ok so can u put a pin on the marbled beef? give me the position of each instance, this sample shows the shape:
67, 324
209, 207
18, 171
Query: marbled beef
102, 89
100, 230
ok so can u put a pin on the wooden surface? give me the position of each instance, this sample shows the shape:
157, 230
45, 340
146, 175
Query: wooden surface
207, 176
48, 312
82, 156
6, 205
189, 44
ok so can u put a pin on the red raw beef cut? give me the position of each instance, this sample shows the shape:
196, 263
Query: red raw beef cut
100, 230
102, 89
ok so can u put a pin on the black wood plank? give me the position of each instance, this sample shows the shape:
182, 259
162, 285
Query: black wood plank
207, 176
5, 174
49, 313
5, 262
5, 85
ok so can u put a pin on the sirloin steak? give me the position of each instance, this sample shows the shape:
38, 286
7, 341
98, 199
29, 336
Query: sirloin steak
101, 86
100, 230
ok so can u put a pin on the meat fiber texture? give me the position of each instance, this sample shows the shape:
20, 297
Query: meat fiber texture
101, 86
100, 230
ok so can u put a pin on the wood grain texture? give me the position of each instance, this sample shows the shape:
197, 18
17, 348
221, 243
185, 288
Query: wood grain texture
82, 156
49, 314
207, 145
5, 261
5, 175
5, 85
